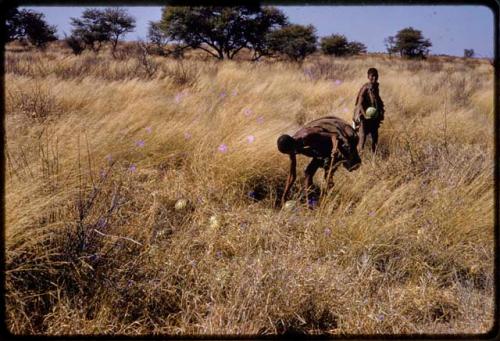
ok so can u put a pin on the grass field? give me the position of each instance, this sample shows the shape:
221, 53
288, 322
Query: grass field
98, 151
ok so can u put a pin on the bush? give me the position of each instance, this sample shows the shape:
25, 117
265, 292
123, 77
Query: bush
468, 53
75, 44
335, 44
338, 45
410, 43
294, 41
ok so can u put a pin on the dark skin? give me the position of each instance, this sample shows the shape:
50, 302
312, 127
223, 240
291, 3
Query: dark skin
316, 143
369, 127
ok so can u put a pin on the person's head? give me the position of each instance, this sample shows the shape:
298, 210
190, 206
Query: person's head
372, 75
286, 144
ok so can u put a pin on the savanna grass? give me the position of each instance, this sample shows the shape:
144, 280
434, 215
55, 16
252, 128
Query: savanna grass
94, 244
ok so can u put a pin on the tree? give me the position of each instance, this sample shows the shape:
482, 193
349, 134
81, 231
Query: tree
12, 24
219, 31
159, 41
390, 45
410, 43
117, 22
91, 28
35, 29
266, 21
28, 25
338, 45
335, 44
355, 47
157, 37
75, 44
468, 53
294, 41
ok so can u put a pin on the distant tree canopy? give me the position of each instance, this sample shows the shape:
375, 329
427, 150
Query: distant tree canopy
12, 24
338, 45
96, 27
355, 47
30, 26
221, 31
409, 43
468, 53
119, 22
335, 44
294, 41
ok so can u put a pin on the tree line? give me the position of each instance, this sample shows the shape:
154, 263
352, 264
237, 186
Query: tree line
221, 32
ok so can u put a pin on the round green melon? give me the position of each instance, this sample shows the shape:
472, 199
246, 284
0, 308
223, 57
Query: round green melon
371, 112
290, 205
181, 204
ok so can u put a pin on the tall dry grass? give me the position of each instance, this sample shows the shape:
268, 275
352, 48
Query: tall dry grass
98, 151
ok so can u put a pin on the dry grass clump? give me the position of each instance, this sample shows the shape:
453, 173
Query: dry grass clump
95, 245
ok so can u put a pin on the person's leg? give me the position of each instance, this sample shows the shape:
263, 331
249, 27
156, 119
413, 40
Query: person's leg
362, 135
330, 168
374, 133
310, 171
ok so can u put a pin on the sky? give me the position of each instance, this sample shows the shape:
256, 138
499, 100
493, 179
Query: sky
451, 28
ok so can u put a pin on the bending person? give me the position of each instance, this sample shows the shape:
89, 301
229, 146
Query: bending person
329, 141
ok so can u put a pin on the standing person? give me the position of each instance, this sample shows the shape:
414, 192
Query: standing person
329, 141
368, 96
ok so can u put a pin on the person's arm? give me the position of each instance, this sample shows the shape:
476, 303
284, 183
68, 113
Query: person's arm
358, 98
381, 108
334, 158
292, 175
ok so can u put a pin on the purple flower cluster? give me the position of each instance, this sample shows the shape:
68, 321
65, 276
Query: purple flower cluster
247, 112
223, 148
312, 202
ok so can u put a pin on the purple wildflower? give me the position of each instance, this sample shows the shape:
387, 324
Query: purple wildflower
260, 120
250, 138
101, 223
247, 112
222, 94
235, 93
109, 158
149, 130
345, 109
140, 143
338, 82
187, 135
328, 231
102, 173
178, 98
222, 148
218, 254
132, 168
312, 202
371, 214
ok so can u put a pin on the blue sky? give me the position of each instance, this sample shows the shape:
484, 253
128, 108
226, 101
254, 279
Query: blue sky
451, 29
